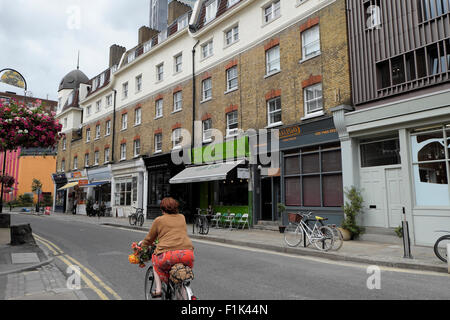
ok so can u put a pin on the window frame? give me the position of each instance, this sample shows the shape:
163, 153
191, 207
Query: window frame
97, 132
234, 131
123, 151
204, 91
157, 108
177, 102
229, 80
209, 130
137, 116
234, 35
88, 134
138, 81
274, 6
305, 33
276, 61
160, 72
108, 128
176, 135
137, 147
178, 64
124, 122
209, 45
125, 90
316, 112
106, 155
158, 135
209, 7
277, 101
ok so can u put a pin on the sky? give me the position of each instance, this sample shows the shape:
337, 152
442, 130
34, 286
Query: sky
41, 38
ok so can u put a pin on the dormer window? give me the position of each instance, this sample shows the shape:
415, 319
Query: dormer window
70, 100
102, 79
211, 10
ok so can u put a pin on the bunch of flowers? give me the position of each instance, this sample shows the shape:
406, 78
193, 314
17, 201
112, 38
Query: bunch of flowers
21, 126
141, 255
7, 181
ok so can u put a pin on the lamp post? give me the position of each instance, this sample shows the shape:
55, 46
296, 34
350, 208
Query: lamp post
6, 151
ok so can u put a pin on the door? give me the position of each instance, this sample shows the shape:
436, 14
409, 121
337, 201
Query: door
374, 194
395, 190
266, 199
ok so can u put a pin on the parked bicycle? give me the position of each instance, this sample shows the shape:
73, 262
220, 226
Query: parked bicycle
440, 247
321, 236
179, 290
201, 223
337, 234
137, 217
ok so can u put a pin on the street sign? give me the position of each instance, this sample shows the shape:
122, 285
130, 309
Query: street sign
243, 173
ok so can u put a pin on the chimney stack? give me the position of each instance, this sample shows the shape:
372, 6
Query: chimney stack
176, 10
145, 34
115, 54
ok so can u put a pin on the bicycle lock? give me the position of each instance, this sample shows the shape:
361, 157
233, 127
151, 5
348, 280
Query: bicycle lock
406, 239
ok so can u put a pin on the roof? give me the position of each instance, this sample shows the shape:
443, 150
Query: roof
73, 80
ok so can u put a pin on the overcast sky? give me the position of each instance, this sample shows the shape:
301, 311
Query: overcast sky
41, 38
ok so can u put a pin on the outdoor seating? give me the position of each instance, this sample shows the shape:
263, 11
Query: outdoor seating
229, 220
216, 219
223, 219
243, 221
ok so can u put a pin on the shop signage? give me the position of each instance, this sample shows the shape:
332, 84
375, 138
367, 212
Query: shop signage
243, 173
83, 182
76, 174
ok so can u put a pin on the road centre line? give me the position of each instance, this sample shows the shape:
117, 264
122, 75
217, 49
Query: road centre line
55, 249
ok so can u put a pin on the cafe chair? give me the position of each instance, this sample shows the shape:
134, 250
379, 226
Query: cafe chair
216, 219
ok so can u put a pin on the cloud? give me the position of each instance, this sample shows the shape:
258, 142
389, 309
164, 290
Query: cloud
41, 38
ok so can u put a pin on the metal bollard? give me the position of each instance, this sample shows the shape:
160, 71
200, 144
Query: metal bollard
448, 257
406, 240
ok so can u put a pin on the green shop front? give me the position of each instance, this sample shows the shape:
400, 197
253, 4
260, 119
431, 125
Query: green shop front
219, 177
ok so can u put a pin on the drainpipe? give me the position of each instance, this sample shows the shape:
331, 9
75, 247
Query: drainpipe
113, 127
193, 98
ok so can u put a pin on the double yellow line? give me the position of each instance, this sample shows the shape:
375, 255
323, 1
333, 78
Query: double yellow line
69, 261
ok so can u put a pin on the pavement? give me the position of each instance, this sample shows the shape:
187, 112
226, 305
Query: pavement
40, 279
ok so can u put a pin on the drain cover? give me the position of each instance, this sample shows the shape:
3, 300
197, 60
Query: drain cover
18, 258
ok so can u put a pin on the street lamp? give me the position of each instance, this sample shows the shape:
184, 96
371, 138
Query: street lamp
13, 78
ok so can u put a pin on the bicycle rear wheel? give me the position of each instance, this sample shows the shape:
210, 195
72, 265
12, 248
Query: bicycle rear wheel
132, 219
140, 220
205, 226
440, 247
338, 239
149, 281
327, 240
293, 235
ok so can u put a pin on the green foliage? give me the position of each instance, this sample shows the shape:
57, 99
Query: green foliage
399, 231
36, 185
351, 211
281, 208
47, 200
25, 200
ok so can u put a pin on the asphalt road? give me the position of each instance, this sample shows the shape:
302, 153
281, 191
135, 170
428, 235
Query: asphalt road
224, 272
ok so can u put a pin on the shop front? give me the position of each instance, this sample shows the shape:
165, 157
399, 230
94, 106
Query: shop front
311, 169
76, 196
401, 162
128, 187
219, 178
60, 200
99, 187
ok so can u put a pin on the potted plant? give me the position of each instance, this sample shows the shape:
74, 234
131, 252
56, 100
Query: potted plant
349, 228
281, 208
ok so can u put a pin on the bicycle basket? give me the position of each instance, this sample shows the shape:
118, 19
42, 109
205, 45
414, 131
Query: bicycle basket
294, 217
180, 272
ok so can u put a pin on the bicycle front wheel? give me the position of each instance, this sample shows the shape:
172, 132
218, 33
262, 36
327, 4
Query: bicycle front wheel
205, 226
198, 225
440, 247
148, 285
326, 240
140, 220
293, 235
132, 219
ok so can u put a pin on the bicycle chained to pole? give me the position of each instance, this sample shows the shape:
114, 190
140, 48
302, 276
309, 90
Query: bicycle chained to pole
137, 217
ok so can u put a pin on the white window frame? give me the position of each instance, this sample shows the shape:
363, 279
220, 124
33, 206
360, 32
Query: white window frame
63, 165
232, 116
106, 155
182, 22
125, 90
210, 11
102, 79
75, 163
176, 138
88, 110
316, 99
207, 49
159, 108
137, 116
232, 77
177, 101
138, 81
86, 160
108, 128
306, 45
64, 144
277, 102
207, 130
178, 63
123, 151
124, 123
97, 131
205, 89
231, 35
158, 142
109, 101
96, 158
272, 11
137, 147
160, 72
271, 61
88, 134
98, 106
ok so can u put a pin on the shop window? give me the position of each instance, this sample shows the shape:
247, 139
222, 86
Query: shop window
331, 161
159, 186
311, 191
380, 153
291, 165
310, 163
332, 190
123, 193
233, 193
430, 168
293, 192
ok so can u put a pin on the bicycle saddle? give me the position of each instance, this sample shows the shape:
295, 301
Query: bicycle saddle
320, 218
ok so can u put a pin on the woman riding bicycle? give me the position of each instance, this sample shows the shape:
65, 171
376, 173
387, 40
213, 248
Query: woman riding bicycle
174, 245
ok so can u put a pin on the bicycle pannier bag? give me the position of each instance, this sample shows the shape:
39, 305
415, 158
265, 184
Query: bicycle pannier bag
180, 272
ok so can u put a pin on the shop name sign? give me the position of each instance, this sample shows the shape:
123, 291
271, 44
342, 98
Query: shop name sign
290, 132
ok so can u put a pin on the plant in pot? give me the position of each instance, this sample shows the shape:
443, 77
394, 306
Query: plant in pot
281, 208
352, 207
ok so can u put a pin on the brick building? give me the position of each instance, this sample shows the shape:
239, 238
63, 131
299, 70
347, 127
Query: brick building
285, 70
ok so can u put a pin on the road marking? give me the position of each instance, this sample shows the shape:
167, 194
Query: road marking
58, 252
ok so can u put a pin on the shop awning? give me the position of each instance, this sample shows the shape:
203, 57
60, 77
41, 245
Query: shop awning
69, 185
211, 172
94, 184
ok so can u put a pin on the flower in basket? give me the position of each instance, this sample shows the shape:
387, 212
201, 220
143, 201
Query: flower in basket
141, 255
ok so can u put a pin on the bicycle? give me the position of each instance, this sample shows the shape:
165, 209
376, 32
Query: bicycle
337, 234
201, 223
170, 290
137, 218
440, 246
321, 236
